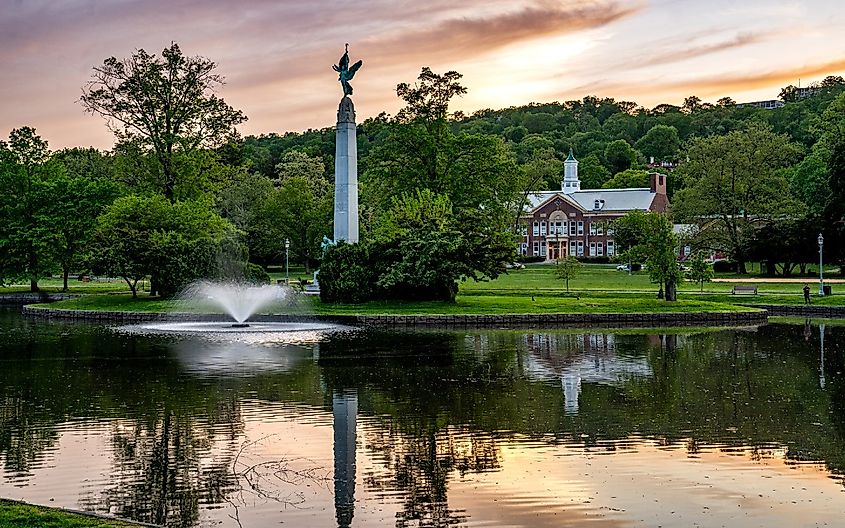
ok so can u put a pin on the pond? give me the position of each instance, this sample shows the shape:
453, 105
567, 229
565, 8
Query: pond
600, 428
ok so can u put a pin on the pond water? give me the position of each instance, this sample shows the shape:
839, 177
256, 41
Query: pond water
733, 427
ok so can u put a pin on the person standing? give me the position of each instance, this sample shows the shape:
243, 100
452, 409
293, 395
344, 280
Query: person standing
806, 294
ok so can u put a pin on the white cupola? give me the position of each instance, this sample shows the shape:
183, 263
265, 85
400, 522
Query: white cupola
571, 183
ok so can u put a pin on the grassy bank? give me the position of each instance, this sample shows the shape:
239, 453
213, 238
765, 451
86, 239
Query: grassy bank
598, 289
479, 303
17, 515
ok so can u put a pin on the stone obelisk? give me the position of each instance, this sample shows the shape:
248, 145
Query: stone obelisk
346, 157
346, 174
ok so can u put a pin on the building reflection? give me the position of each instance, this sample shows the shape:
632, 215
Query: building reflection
576, 359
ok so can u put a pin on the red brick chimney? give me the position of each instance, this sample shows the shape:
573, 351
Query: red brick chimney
657, 182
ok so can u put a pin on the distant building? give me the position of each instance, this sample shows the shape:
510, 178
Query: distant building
770, 104
576, 222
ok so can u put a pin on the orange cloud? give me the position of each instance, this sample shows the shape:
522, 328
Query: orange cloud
468, 36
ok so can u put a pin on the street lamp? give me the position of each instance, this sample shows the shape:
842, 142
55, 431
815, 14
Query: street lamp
287, 267
821, 266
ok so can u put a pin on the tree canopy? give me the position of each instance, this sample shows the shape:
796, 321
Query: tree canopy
166, 104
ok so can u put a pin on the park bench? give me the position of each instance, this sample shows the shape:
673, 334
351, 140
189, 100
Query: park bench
744, 289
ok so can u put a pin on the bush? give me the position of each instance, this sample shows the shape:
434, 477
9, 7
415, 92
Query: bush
594, 260
255, 274
724, 266
347, 274
533, 259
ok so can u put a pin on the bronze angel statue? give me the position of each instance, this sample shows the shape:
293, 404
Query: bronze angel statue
346, 72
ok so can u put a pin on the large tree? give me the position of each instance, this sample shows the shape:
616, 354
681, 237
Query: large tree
167, 104
734, 185
172, 243
77, 195
661, 142
25, 167
619, 156
477, 173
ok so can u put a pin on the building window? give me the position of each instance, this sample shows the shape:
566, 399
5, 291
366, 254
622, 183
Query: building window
599, 249
592, 249
543, 228
542, 249
535, 249
592, 228
523, 229
580, 227
523, 249
572, 247
536, 228
559, 228
572, 227
580, 248
600, 229
610, 248
609, 231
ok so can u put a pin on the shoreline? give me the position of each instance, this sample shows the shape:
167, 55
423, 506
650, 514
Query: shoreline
52, 514
754, 317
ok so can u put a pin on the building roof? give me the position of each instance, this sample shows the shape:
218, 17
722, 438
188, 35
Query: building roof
622, 200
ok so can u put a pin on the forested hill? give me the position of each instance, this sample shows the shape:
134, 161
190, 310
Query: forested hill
607, 136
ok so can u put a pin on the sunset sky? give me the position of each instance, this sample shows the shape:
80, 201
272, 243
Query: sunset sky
276, 55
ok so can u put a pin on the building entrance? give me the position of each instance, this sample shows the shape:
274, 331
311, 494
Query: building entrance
557, 250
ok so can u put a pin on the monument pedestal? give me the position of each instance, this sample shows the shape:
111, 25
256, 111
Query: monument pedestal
346, 174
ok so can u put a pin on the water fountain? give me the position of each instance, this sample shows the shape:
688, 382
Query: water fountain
241, 302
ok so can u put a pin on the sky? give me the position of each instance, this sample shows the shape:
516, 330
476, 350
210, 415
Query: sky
276, 55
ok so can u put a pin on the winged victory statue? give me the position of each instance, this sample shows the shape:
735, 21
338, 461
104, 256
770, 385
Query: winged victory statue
346, 72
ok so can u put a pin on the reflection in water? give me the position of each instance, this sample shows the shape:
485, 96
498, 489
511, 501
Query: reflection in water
481, 427
345, 413
581, 358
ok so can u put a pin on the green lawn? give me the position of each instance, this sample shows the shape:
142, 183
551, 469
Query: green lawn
598, 289
17, 515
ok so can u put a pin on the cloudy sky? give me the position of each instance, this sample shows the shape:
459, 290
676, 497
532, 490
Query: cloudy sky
276, 55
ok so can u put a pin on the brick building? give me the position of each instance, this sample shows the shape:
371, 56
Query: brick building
576, 222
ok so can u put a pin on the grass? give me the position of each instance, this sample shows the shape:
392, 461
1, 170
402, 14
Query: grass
598, 289
18, 514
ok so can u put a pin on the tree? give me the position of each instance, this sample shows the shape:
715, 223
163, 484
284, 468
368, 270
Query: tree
172, 243
244, 204
567, 269
619, 156
77, 195
734, 185
476, 173
296, 163
788, 94
725, 102
25, 167
299, 213
166, 104
649, 238
627, 179
699, 270
691, 104
592, 173
661, 142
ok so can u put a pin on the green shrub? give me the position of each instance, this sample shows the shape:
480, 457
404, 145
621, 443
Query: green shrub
347, 274
255, 274
724, 266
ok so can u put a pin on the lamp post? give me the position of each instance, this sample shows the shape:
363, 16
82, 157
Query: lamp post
821, 266
287, 267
